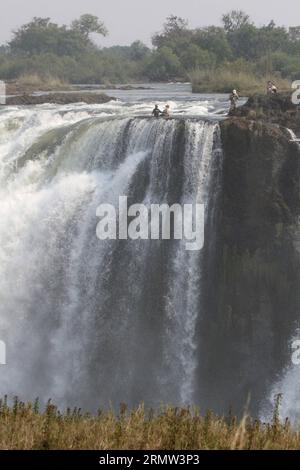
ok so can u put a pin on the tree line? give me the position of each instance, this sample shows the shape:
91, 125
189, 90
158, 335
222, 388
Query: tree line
70, 54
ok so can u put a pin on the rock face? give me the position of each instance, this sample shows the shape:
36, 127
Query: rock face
59, 98
274, 109
252, 296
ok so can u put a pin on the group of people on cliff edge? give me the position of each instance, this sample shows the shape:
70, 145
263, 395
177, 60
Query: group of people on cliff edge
234, 96
165, 113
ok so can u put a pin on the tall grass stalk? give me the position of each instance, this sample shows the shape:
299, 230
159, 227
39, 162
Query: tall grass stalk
26, 426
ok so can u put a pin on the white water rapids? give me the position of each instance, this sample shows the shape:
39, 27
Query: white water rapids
89, 322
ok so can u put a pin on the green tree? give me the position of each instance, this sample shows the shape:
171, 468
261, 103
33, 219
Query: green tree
294, 33
195, 57
174, 28
245, 42
163, 65
42, 36
88, 24
138, 51
214, 40
272, 38
44, 47
235, 20
252, 43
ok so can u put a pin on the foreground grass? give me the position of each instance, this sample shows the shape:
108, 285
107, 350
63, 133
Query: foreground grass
23, 426
225, 80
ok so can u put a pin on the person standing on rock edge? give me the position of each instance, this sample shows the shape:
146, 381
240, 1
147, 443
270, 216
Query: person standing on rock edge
233, 98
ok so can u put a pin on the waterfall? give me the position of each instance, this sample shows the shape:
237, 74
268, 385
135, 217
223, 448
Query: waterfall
89, 322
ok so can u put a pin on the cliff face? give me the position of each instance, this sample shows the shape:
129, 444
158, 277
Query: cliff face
274, 109
252, 292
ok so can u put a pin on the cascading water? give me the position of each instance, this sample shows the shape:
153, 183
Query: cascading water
92, 322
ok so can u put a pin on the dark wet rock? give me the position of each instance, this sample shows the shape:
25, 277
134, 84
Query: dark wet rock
273, 109
58, 98
251, 293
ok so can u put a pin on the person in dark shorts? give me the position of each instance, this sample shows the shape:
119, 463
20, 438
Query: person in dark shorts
156, 111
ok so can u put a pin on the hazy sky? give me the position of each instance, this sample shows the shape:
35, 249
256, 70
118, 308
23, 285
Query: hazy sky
128, 20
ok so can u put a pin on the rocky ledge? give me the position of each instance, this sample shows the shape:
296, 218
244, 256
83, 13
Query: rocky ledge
274, 109
58, 98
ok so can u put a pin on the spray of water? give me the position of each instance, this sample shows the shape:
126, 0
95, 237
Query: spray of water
88, 322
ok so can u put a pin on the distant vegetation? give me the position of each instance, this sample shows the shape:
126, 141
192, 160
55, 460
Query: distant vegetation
237, 54
24, 426
243, 78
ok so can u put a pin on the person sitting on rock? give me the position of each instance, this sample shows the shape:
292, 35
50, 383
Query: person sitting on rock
272, 88
234, 97
156, 111
166, 112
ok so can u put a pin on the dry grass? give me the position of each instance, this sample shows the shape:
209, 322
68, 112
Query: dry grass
37, 81
225, 80
23, 426
29, 83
